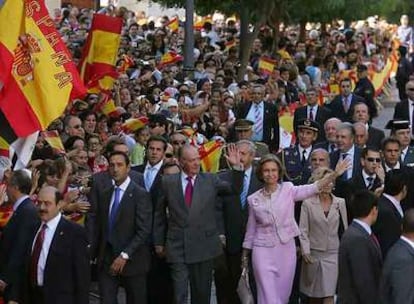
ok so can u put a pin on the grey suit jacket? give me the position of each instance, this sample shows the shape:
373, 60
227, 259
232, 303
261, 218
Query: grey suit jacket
320, 232
360, 263
397, 280
131, 232
191, 235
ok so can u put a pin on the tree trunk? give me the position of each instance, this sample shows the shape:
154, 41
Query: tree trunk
302, 31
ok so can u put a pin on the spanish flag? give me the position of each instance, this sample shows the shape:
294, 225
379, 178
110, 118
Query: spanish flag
133, 124
210, 154
127, 62
266, 65
229, 44
170, 58
173, 24
98, 64
106, 106
54, 141
37, 75
4, 148
6, 211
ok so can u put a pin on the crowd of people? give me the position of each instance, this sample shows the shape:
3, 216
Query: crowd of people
326, 217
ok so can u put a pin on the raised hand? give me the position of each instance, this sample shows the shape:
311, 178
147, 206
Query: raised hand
233, 155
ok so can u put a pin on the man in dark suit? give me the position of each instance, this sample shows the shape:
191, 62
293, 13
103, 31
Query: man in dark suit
346, 149
342, 105
191, 233
158, 276
361, 114
360, 259
227, 271
400, 129
265, 118
124, 217
16, 237
404, 109
103, 180
314, 112
330, 133
390, 213
398, 272
59, 269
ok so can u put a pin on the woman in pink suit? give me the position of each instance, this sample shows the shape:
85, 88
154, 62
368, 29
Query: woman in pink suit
271, 229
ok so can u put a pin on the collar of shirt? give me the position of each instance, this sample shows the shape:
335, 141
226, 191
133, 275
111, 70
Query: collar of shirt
52, 224
260, 105
184, 178
350, 155
308, 151
396, 203
408, 241
365, 176
387, 168
404, 152
19, 202
156, 167
364, 225
124, 185
248, 173
367, 126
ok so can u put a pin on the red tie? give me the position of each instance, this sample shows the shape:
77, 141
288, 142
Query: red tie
188, 192
37, 248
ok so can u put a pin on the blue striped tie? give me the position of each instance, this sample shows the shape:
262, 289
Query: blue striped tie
243, 194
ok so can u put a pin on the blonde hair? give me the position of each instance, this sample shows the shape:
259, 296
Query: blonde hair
319, 173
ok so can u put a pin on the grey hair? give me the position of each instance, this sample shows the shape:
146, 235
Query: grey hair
249, 143
346, 126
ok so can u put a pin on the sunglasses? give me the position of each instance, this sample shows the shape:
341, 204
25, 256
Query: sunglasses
169, 155
372, 159
410, 89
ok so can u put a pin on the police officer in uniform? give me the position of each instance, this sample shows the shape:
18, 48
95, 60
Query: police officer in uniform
244, 130
296, 159
366, 90
400, 129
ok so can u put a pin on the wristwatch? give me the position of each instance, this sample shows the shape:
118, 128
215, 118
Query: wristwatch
124, 255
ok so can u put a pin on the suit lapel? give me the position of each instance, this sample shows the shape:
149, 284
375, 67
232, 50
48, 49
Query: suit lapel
56, 244
393, 208
196, 199
124, 201
179, 191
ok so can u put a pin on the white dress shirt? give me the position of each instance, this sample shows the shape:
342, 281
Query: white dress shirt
51, 226
314, 111
364, 225
365, 176
410, 112
404, 153
150, 173
184, 181
307, 154
396, 203
123, 188
397, 166
408, 241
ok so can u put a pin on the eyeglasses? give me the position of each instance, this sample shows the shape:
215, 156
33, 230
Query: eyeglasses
176, 142
410, 89
169, 155
373, 159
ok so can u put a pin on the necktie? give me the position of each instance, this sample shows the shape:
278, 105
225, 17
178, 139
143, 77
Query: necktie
346, 104
37, 249
303, 157
114, 208
243, 194
149, 178
311, 113
345, 175
188, 195
370, 180
258, 119
375, 241
332, 147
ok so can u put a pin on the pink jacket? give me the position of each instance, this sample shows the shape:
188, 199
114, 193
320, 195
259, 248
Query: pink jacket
271, 218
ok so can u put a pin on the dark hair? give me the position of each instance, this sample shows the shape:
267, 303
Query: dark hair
112, 142
346, 79
408, 221
126, 157
395, 180
362, 203
159, 139
269, 158
365, 151
389, 140
21, 180
71, 141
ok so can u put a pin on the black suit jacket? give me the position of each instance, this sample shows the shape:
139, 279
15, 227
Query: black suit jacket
235, 217
66, 277
360, 265
191, 235
334, 158
131, 232
375, 137
322, 115
387, 228
398, 275
401, 110
337, 108
15, 241
100, 181
270, 123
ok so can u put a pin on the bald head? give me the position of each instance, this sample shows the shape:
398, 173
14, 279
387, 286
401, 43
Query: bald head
189, 160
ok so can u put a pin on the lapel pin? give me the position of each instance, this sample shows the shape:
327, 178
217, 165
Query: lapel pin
130, 195
61, 233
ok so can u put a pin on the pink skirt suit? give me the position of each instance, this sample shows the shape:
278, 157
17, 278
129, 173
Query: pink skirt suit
270, 233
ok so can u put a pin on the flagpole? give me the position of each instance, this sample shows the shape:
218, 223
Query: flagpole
189, 38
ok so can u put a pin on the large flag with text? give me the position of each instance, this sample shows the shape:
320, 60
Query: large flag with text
37, 75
